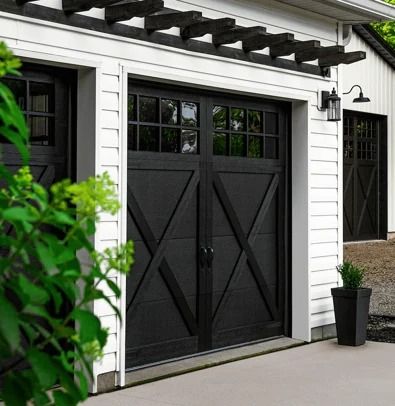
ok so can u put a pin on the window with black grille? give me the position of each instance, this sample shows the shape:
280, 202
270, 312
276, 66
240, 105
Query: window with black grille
360, 138
242, 132
170, 120
36, 98
162, 124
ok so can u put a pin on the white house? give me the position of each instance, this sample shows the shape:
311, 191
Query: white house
229, 172
369, 140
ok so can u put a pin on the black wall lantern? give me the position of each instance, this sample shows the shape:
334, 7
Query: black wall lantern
361, 98
332, 103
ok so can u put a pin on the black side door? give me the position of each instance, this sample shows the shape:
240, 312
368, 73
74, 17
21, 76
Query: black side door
46, 95
365, 174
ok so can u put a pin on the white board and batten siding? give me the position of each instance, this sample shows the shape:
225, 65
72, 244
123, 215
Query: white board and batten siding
377, 79
117, 57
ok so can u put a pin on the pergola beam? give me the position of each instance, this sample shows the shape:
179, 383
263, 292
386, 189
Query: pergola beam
22, 2
258, 42
346, 58
126, 11
314, 53
74, 6
165, 21
237, 34
292, 47
207, 27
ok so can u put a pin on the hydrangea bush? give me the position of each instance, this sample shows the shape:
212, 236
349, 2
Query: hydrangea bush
49, 337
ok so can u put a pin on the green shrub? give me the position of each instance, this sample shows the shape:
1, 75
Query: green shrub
352, 275
49, 337
386, 29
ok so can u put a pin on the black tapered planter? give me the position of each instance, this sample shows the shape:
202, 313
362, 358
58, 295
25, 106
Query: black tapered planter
351, 313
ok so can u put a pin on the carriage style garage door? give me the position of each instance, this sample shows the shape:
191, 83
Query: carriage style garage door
365, 177
207, 209
46, 97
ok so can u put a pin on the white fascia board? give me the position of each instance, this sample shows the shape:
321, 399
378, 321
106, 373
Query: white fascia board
347, 11
379, 9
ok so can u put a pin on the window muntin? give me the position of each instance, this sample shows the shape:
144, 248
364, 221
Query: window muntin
360, 138
163, 124
37, 101
243, 132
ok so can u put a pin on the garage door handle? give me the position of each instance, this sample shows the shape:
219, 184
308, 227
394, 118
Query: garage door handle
210, 256
203, 256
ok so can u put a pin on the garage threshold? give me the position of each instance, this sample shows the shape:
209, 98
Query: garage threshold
179, 366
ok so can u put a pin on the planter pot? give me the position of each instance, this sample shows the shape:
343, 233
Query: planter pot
351, 313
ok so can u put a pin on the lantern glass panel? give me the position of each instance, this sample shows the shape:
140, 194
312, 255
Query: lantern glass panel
334, 109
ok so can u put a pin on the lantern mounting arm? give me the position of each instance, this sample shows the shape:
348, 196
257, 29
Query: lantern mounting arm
324, 101
360, 89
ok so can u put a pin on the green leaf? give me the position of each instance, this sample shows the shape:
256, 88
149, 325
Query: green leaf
45, 256
83, 383
9, 328
43, 367
62, 218
67, 286
102, 337
114, 287
36, 311
55, 294
35, 294
41, 399
60, 252
12, 393
66, 255
89, 325
28, 330
68, 383
90, 226
63, 399
19, 214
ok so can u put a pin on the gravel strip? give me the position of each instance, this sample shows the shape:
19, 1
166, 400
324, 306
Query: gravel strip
381, 329
378, 259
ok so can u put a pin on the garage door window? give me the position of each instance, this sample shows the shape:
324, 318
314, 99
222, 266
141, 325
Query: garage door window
242, 132
163, 125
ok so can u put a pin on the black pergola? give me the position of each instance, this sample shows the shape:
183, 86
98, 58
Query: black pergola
192, 25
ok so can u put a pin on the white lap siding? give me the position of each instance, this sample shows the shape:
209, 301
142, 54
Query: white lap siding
47, 42
108, 233
324, 236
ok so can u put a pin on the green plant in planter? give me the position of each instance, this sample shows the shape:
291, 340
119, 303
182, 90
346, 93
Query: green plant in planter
352, 275
49, 337
351, 306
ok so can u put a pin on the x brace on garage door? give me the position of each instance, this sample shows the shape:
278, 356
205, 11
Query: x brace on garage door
208, 212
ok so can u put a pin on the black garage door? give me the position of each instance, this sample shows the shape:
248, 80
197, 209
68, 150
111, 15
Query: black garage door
207, 209
365, 177
46, 95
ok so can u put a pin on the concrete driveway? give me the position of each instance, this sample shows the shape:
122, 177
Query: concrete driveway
317, 374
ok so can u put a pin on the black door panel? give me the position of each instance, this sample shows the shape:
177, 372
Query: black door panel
364, 185
208, 215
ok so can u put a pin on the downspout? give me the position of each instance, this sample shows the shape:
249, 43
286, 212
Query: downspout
347, 33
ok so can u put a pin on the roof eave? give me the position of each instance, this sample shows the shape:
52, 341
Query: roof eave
377, 43
348, 11
378, 9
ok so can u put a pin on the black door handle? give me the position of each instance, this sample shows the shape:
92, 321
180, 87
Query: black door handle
210, 256
203, 256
